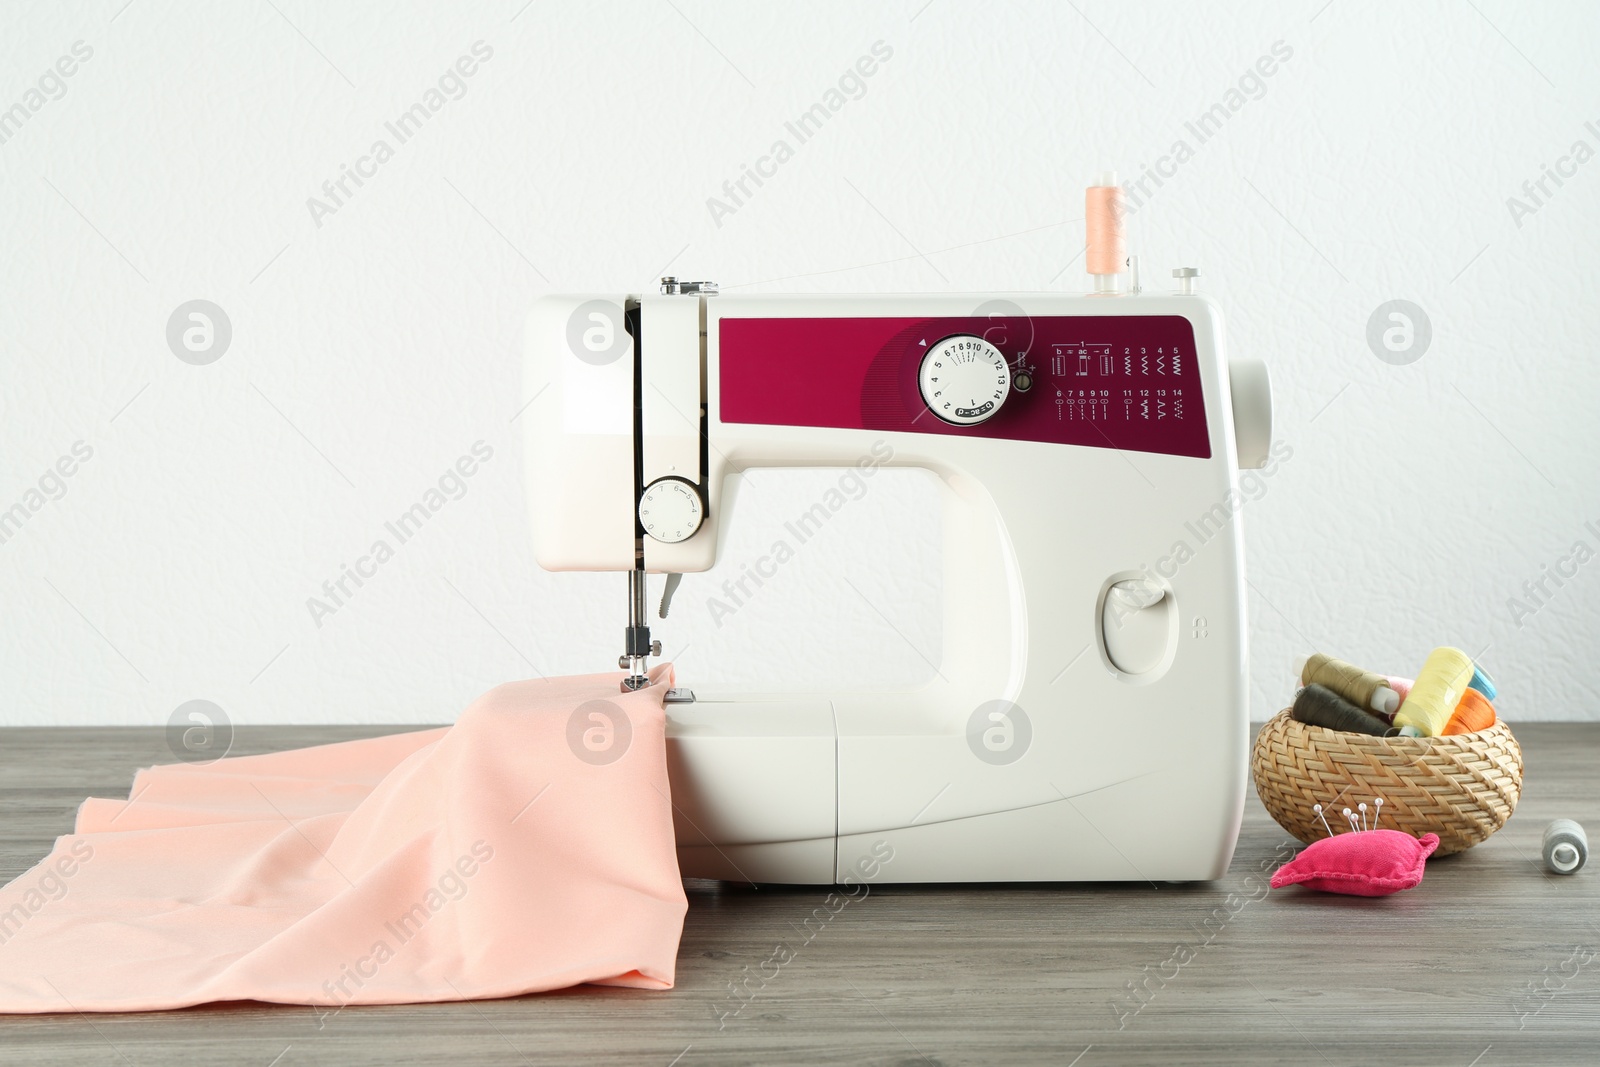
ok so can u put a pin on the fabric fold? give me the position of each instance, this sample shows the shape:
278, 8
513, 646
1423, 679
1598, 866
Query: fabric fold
528, 847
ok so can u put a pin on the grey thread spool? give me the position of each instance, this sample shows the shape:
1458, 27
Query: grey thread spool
1565, 849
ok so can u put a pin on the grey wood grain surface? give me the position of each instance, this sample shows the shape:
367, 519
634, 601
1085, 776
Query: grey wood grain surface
1444, 974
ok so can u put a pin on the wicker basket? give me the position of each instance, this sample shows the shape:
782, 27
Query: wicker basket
1462, 787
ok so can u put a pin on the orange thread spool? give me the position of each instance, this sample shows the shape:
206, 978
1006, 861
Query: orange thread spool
1474, 713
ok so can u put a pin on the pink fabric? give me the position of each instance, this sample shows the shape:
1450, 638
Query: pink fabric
1365, 863
507, 854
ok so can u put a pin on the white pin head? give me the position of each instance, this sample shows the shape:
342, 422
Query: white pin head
1363, 808
1377, 813
1317, 810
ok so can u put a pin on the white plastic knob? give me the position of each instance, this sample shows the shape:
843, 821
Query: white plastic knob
964, 380
1251, 387
1136, 626
670, 510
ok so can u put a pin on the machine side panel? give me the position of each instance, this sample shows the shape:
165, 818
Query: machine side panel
579, 433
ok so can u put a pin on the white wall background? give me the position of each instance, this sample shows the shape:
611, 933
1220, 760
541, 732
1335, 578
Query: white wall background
370, 351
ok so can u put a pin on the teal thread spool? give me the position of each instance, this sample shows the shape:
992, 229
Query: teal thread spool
1565, 848
1483, 683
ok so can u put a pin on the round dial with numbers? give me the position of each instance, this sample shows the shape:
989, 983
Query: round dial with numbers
964, 379
670, 510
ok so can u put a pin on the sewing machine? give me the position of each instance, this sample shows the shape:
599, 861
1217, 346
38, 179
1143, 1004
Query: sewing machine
1088, 718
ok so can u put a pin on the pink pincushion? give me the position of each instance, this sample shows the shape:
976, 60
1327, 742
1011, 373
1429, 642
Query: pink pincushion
1371, 863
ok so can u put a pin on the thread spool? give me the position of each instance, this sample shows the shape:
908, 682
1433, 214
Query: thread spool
1106, 246
1317, 705
1402, 686
1474, 713
1565, 848
1364, 689
1433, 699
1483, 683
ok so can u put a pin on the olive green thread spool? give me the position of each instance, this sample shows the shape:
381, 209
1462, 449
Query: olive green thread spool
1365, 689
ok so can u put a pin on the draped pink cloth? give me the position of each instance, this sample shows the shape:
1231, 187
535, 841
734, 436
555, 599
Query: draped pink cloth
528, 847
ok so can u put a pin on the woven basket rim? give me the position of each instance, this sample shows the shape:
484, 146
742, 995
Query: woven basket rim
1412, 745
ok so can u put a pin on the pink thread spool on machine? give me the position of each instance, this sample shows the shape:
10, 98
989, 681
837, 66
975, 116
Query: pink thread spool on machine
1080, 439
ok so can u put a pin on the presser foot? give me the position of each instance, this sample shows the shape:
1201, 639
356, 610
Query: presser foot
638, 669
637, 643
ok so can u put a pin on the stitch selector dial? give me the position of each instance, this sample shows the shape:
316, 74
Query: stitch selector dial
670, 510
964, 379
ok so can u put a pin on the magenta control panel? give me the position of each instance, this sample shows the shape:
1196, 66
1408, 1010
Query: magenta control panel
1126, 381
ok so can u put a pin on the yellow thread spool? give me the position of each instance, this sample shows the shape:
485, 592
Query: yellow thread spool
1437, 691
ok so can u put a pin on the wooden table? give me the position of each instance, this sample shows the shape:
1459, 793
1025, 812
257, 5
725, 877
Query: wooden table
1444, 974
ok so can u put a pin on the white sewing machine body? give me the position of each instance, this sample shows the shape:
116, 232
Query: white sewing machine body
1106, 454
